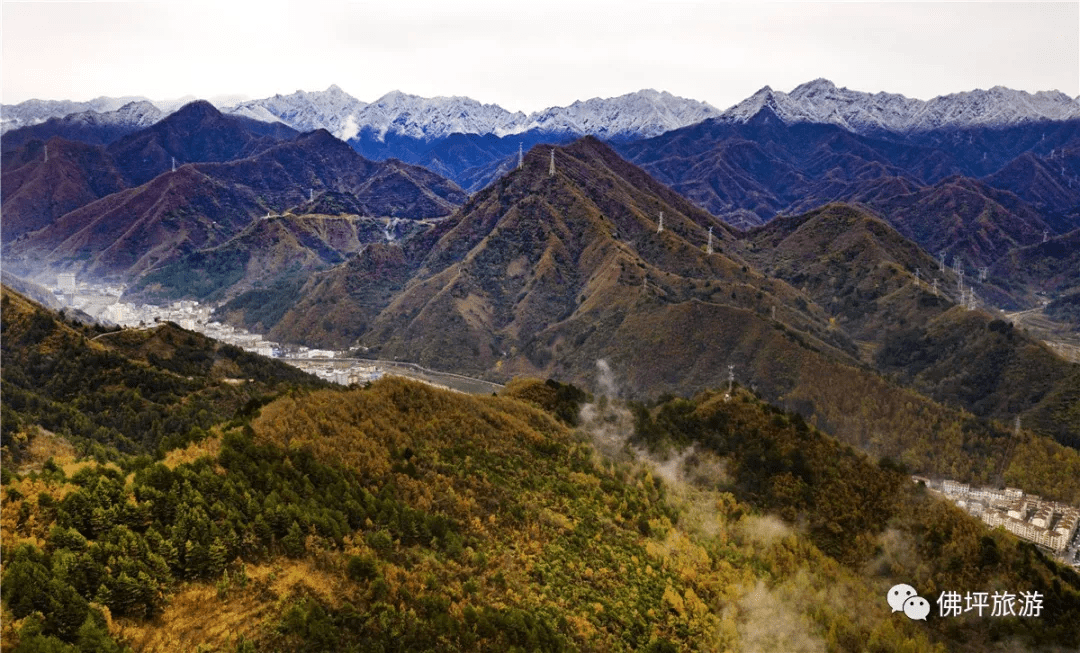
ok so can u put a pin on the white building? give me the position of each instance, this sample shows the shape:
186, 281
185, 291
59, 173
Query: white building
66, 282
952, 487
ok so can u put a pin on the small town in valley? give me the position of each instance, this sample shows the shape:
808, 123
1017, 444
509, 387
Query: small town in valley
1051, 525
103, 303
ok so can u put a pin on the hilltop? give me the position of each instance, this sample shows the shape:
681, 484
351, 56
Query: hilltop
538, 260
121, 391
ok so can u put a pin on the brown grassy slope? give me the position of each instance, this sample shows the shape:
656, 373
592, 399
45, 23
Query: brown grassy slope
854, 265
334, 307
202, 205
538, 259
136, 229
964, 217
281, 247
860, 270
37, 192
1052, 268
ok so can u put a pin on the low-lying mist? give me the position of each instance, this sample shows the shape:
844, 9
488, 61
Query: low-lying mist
766, 619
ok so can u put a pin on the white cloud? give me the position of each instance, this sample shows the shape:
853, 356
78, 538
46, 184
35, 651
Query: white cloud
349, 130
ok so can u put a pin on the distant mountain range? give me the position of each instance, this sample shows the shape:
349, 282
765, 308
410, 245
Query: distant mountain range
474, 143
634, 115
91, 126
32, 112
642, 114
821, 102
973, 192
974, 175
123, 210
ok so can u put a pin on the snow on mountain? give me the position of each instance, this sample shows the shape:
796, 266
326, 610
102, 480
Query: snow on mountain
139, 114
999, 106
645, 113
634, 115
32, 112
431, 118
820, 101
306, 111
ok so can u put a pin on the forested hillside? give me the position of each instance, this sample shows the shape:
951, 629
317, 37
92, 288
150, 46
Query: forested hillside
164, 492
403, 518
121, 392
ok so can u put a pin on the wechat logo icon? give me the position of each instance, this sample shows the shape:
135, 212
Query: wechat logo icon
904, 598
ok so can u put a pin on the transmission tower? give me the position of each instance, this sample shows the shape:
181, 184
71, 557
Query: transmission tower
935, 287
1046, 235
983, 271
46, 154
551, 170
708, 248
174, 164
660, 227
311, 195
917, 272
941, 261
521, 157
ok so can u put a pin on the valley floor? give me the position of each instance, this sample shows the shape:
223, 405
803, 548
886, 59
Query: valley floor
1057, 335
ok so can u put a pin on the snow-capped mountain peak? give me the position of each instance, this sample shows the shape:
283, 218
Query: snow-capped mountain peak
429, 118
33, 112
644, 113
635, 115
332, 109
821, 101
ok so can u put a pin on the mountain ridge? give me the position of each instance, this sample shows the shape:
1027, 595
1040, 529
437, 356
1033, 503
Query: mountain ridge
820, 101
203, 204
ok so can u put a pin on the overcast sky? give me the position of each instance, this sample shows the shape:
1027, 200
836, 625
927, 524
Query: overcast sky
531, 55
